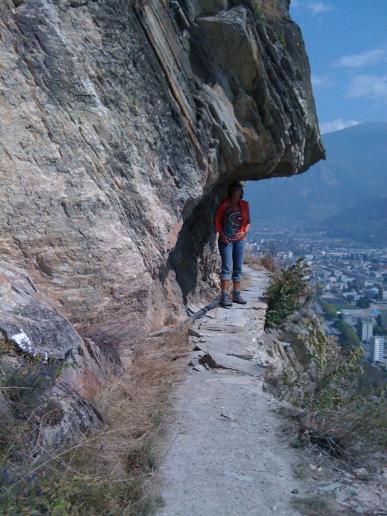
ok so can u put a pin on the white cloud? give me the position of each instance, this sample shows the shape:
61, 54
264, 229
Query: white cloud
368, 86
318, 7
367, 58
321, 81
336, 125
313, 7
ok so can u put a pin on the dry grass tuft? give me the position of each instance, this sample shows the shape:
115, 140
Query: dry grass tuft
268, 262
260, 263
108, 472
344, 410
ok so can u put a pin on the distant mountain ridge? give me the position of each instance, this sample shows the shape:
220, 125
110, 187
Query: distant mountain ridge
354, 177
365, 223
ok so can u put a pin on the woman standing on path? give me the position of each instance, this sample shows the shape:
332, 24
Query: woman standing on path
232, 222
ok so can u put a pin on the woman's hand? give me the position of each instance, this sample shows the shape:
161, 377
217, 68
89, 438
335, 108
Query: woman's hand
224, 238
240, 235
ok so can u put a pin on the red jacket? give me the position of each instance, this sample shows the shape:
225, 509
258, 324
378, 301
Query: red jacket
244, 206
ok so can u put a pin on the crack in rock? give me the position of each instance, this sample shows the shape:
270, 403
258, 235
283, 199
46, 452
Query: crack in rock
241, 356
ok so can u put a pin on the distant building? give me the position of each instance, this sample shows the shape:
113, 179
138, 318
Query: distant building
383, 317
350, 316
365, 328
372, 292
377, 349
351, 296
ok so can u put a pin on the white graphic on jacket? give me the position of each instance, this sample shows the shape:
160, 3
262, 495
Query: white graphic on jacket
232, 222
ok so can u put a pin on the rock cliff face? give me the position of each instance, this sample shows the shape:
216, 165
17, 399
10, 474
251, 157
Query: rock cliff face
121, 124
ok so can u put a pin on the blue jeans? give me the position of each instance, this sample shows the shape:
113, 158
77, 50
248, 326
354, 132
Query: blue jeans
232, 259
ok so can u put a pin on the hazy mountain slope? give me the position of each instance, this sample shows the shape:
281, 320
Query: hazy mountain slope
355, 171
367, 222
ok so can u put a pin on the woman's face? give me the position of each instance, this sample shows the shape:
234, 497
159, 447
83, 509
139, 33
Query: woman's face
235, 194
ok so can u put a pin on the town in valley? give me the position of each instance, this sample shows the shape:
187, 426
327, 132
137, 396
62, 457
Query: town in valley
351, 281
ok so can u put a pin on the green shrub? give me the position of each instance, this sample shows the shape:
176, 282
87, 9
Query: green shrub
379, 329
285, 293
61, 490
259, 13
330, 310
348, 337
338, 397
280, 36
363, 302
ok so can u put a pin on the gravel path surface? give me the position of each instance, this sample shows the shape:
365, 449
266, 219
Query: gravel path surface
225, 453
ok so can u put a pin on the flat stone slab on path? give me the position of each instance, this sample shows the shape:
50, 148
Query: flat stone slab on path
224, 453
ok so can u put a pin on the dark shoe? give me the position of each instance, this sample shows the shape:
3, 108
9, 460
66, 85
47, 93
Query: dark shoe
224, 300
237, 298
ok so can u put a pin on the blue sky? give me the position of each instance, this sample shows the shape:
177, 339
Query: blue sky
346, 41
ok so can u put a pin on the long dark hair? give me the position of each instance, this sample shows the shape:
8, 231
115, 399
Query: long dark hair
235, 184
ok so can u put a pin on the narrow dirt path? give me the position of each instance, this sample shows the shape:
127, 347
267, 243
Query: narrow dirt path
225, 453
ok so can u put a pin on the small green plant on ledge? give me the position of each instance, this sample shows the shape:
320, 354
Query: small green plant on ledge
259, 13
281, 38
285, 293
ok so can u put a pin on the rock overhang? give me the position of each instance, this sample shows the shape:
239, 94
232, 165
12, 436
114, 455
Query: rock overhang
133, 123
